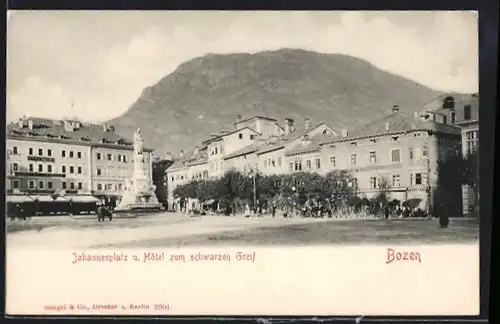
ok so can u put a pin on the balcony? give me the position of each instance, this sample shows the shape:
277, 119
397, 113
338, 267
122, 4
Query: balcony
39, 174
41, 158
30, 191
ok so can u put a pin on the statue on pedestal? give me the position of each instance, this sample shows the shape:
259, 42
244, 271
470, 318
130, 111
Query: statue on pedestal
139, 189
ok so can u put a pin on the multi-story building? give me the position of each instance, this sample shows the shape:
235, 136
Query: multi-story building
48, 156
400, 148
461, 110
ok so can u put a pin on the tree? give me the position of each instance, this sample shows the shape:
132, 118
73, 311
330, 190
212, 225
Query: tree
455, 171
470, 176
159, 179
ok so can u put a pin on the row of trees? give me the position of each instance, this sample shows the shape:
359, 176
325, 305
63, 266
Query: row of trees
336, 191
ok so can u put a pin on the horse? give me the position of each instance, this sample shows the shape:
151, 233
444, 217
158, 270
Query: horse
103, 212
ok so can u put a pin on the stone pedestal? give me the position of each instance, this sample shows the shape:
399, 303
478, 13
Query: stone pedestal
139, 191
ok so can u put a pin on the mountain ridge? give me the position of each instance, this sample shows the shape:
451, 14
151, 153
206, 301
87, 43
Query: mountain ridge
205, 93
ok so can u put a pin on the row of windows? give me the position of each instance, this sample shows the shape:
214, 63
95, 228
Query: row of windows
297, 165
32, 184
41, 184
64, 169
48, 152
49, 169
271, 162
415, 180
111, 172
112, 157
199, 175
73, 154
240, 136
110, 187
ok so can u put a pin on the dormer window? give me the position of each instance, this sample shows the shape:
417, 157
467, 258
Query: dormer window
395, 138
374, 140
354, 144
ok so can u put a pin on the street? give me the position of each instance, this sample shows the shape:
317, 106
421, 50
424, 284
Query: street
171, 229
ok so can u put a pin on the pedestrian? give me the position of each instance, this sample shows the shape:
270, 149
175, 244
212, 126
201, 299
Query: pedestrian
273, 209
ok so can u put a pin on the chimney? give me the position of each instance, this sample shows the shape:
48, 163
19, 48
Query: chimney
105, 127
287, 126
238, 118
30, 124
196, 150
307, 123
181, 154
395, 108
344, 132
169, 156
20, 123
416, 115
387, 126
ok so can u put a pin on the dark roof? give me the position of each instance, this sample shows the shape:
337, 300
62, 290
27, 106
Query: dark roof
54, 131
398, 123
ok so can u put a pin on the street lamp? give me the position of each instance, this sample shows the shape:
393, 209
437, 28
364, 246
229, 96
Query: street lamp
254, 182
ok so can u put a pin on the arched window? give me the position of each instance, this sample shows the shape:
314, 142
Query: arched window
449, 103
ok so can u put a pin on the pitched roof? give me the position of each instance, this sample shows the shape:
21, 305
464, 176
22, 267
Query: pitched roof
255, 117
217, 137
299, 131
270, 146
309, 145
54, 130
397, 122
245, 150
177, 165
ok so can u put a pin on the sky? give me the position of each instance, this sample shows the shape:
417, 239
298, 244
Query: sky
93, 65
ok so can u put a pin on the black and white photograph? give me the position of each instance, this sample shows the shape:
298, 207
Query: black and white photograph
215, 129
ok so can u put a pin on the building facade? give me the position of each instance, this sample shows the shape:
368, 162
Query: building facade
67, 156
401, 149
461, 110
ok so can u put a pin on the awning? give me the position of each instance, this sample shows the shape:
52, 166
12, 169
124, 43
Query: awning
43, 198
18, 199
83, 199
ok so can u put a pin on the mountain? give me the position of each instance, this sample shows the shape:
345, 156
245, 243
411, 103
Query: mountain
206, 93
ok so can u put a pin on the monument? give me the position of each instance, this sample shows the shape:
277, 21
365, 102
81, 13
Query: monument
139, 193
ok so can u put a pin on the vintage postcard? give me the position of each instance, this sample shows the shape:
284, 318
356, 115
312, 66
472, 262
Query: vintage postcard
242, 163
